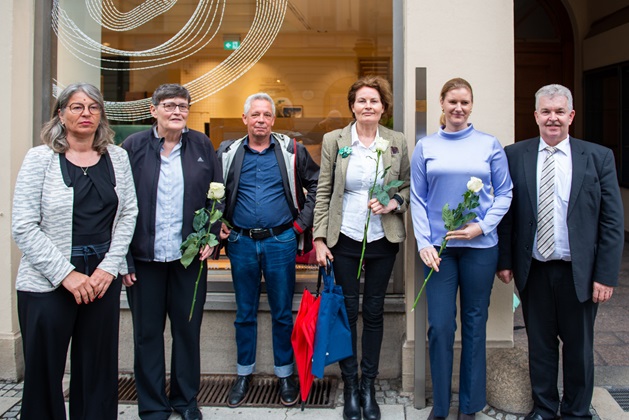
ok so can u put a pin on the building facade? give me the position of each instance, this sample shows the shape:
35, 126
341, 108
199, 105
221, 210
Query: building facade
306, 54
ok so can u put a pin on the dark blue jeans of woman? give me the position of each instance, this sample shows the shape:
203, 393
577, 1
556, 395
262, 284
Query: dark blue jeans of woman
470, 271
377, 274
250, 259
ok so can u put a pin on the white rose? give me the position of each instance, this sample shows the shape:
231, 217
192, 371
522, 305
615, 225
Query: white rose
474, 184
381, 144
216, 191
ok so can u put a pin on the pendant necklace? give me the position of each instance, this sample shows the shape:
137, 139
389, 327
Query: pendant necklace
84, 170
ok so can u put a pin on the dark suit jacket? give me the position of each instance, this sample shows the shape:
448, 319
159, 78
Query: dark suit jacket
595, 215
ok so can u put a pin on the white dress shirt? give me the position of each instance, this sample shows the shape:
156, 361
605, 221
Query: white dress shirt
563, 184
361, 171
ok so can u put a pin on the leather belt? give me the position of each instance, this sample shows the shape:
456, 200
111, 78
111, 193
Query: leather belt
263, 233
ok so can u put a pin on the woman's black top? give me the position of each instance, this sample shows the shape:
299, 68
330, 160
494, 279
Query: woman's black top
94, 207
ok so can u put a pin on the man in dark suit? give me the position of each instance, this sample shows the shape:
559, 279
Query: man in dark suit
562, 241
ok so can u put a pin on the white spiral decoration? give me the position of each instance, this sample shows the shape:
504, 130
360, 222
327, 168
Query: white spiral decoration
197, 33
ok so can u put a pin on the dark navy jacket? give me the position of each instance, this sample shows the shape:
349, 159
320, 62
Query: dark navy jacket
200, 167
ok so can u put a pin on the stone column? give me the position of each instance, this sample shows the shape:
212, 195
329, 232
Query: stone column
17, 18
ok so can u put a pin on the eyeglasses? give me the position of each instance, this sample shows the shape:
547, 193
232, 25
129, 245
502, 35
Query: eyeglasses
77, 108
171, 106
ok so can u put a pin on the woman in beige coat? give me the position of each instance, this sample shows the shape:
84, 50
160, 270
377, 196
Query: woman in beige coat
342, 209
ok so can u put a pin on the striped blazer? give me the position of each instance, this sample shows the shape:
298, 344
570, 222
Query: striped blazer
42, 219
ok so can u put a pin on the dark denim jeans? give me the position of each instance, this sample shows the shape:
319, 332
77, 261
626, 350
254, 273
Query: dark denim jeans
250, 259
469, 271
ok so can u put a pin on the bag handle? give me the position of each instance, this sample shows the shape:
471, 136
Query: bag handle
327, 270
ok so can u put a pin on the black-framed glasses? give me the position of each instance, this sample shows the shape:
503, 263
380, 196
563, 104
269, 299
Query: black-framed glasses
78, 108
171, 106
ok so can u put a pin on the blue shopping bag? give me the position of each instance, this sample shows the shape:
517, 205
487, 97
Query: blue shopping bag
333, 337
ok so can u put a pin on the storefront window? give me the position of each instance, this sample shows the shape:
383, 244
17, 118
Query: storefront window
304, 53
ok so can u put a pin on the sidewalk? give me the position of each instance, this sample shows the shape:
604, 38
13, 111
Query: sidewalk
611, 359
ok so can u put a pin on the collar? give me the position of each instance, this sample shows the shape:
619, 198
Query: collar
563, 146
185, 130
356, 141
272, 144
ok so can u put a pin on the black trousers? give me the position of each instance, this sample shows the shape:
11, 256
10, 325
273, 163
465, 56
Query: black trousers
552, 312
48, 321
165, 289
377, 274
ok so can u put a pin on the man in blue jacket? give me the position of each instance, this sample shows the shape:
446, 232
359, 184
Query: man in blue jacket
265, 176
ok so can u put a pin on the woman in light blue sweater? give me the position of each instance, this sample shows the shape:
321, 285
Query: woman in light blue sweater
442, 164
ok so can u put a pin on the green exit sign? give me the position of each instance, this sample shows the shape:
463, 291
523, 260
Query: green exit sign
231, 45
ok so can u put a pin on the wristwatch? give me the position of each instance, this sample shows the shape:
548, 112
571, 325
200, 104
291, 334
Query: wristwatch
399, 200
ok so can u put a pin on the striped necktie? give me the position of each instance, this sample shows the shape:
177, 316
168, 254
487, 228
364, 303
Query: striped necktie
546, 206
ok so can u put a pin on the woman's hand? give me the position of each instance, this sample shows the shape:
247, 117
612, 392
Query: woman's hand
100, 281
206, 252
129, 279
469, 231
378, 208
323, 252
79, 285
430, 257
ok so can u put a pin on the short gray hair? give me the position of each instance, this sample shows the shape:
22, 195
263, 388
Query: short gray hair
169, 91
256, 97
551, 91
53, 134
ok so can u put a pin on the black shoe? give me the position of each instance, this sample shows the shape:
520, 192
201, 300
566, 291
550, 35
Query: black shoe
288, 391
238, 393
463, 416
533, 415
371, 411
351, 395
192, 414
432, 416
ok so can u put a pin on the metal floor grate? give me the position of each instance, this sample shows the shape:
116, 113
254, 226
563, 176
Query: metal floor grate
621, 396
263, 391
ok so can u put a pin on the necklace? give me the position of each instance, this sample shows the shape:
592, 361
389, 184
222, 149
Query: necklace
84, 170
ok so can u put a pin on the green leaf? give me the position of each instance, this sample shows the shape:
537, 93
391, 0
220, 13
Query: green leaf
200, 219
188, 255
393, 184
214, 217
377, 189
447, 216
190, 240
464, 220
213, 241
383, 198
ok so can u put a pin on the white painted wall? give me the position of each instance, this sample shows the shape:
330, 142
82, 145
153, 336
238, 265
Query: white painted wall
17, 21
473, 40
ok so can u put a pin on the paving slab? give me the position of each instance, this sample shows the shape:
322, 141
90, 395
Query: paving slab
7, 402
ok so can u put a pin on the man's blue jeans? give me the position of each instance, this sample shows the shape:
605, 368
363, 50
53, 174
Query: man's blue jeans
275, 258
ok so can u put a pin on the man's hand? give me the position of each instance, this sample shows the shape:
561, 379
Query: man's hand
224, 231
601, 293
505, 276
